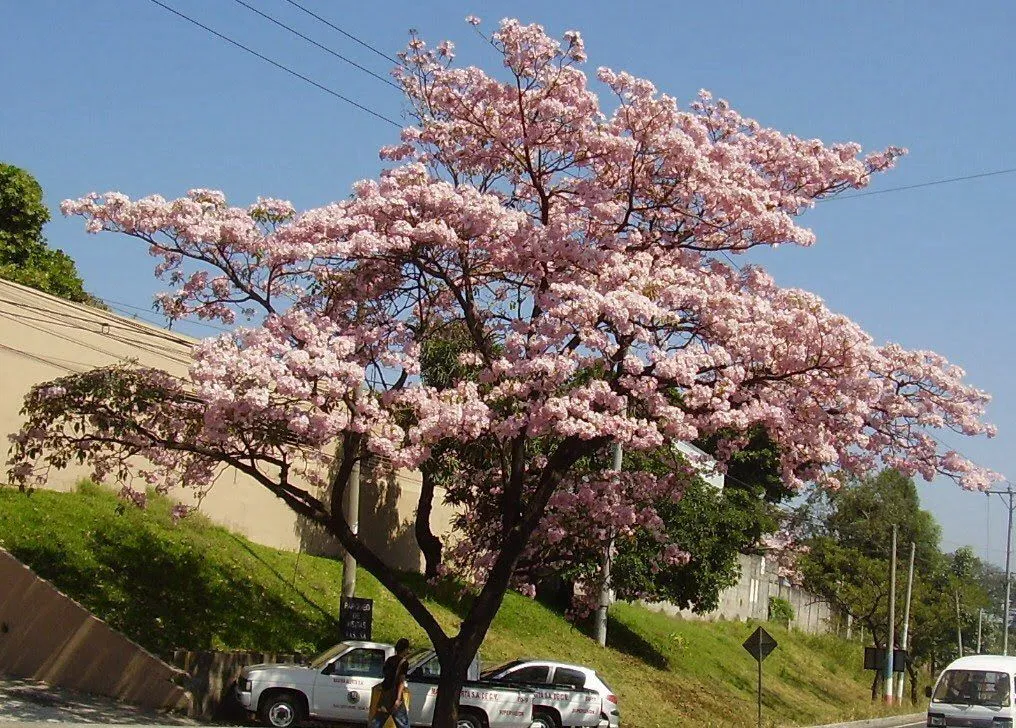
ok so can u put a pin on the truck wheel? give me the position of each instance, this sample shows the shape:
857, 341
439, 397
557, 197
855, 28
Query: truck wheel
543, 720
282, 710
469, 720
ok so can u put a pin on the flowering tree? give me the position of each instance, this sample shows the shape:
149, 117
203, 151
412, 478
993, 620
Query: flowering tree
579, 250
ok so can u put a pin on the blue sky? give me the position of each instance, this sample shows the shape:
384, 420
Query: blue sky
121, 95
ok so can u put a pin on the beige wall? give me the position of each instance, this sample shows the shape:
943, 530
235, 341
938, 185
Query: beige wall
43, 337
45, 635
388, 517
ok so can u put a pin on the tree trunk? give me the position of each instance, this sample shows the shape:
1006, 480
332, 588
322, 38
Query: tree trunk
874, 685
913, 682
454, 666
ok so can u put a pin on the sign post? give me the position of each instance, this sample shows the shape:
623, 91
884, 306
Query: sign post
759, 645
356, 618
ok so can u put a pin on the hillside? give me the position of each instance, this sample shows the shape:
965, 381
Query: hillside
196, 585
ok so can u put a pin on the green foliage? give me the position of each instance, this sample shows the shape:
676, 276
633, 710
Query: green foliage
780, 611
25, 257
196, 585
712, 526
755, 468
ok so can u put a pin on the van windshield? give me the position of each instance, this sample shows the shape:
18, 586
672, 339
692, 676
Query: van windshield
973, 687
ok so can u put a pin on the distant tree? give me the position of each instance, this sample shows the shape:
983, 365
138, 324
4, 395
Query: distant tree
848, 535
25, 257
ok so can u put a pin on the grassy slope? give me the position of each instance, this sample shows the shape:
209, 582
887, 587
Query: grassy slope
196, 585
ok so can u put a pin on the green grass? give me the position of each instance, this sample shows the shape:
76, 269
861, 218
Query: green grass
198, 586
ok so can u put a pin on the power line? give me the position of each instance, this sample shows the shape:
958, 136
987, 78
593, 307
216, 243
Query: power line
110, 302
326, 49
278, 65
51, 361
64, 320
729, 259
348, 35
946, 180
933, 183
80, 343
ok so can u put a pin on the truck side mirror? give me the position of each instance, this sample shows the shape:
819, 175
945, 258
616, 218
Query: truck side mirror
927, 691
328, 669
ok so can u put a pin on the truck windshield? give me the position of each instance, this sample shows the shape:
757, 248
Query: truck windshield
318, 662
416, 658
973, 687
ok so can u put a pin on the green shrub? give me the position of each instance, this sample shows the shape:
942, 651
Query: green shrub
780, 611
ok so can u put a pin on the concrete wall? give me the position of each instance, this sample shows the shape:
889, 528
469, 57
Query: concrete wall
43, 337
45, 635
749, 599
213, 675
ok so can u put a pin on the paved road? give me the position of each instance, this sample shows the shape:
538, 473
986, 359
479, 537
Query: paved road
901, 721
30, 703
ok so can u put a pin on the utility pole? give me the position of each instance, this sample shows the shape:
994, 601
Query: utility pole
906, 620
959, 625
1006, 495
352, 513
604, 605
892, 626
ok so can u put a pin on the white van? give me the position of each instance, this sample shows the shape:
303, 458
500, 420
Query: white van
976, 692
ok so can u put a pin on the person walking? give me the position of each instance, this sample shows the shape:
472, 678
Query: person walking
390, 699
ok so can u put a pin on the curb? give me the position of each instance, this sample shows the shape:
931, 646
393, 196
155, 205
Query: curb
894, 721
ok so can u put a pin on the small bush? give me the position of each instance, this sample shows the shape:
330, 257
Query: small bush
780, 611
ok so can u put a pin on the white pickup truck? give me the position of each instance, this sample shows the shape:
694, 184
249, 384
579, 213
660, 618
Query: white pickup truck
566, 695
336, 687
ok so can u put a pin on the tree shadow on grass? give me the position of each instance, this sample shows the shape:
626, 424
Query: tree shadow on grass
288, 581
165, 594
446, 593
624, 639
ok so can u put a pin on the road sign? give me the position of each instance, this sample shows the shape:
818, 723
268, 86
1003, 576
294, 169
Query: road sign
356, 617
874, 659
760, 644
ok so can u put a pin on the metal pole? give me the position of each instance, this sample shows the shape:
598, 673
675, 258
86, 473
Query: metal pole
352, 507
1008, 584
980, 619
904, 641
604, 604
760, 693
892, 626
352, 513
